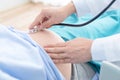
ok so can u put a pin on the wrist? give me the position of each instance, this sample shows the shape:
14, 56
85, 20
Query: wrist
69, 9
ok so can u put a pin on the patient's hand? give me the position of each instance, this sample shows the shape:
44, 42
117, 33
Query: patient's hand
46, 37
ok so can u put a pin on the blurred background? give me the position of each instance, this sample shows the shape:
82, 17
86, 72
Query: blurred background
21, 13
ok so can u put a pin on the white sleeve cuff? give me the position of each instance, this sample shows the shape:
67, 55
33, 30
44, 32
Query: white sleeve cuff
107, 48
81, 7
97, 50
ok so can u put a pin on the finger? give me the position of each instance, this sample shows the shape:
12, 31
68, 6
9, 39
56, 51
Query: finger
58, 61
55, 50
36, 22
58, 55
61, 44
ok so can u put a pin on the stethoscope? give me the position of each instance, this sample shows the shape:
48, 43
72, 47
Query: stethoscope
93, 19
77, 25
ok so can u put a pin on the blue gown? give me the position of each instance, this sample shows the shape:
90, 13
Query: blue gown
21, 58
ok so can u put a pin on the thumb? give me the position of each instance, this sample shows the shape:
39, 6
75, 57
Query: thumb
35, 23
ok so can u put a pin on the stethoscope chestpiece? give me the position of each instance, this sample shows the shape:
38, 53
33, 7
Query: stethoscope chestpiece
34, 30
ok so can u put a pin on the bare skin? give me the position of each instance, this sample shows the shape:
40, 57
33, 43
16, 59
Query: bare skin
52, 15
74, 51
46, 37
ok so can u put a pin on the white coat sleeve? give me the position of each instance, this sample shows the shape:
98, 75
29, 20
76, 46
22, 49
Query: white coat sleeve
93, 6
107, 48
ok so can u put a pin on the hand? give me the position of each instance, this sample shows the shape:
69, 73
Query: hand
50, 16
74, 51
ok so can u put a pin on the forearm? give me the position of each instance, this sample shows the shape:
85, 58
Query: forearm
68, 9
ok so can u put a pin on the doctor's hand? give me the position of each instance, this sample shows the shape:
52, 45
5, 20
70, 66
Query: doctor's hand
74, 51
50, 16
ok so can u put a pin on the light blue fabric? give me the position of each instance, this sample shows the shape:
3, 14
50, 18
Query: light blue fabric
108, 24
23, 59
96, 77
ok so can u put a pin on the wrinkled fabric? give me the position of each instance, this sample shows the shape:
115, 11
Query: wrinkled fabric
21, 58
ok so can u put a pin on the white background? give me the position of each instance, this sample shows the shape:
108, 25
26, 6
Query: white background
53, 2
7, 4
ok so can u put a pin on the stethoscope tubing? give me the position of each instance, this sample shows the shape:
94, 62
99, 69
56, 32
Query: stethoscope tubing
88, 22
